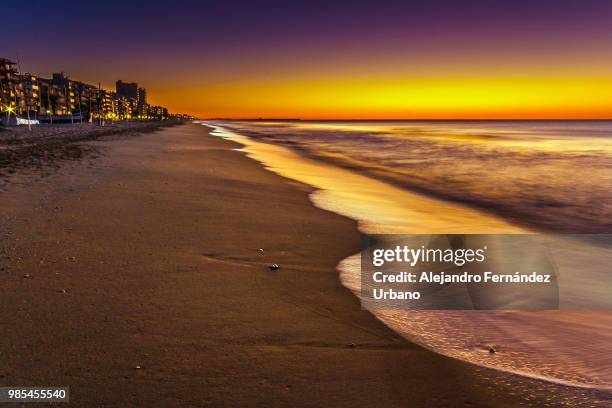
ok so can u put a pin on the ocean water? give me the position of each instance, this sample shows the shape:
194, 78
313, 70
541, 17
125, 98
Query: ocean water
470, 177
556, 176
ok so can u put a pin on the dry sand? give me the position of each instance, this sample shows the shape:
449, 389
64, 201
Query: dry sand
136, 279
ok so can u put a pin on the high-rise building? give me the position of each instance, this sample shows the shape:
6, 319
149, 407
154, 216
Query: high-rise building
126, 108
142, 95
52, 98
128, 90
28, 94
86, 100
158, 112
60, 99
8, 80
142, 102
108, 106
66, 96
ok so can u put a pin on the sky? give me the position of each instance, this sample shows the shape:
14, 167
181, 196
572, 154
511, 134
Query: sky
324, 60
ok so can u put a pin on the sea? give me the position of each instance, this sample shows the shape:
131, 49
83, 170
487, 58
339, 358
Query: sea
487, 177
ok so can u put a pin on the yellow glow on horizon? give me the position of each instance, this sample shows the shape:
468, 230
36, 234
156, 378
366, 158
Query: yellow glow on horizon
426, 98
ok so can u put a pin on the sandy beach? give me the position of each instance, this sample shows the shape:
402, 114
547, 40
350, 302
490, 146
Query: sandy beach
138, 276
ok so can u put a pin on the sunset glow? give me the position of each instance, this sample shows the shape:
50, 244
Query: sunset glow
494, 59
430, 98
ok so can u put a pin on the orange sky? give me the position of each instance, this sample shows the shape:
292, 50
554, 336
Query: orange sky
427, 98
363, 59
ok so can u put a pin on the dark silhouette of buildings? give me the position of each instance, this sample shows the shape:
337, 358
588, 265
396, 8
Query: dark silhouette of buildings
62, 99
128, 90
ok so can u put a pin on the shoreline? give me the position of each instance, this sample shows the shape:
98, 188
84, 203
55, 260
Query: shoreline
329, 195
184, 311
405, 211
524, 214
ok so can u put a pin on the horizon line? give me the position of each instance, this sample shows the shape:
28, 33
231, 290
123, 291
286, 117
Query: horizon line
412, 119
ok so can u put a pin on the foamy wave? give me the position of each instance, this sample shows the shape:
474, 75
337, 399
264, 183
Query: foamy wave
564, 347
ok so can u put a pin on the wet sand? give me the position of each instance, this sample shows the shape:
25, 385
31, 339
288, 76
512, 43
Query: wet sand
560, 346
136, 279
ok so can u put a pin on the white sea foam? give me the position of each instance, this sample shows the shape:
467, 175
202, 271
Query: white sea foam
567, 347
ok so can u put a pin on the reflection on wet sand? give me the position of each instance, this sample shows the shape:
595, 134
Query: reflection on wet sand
562, 346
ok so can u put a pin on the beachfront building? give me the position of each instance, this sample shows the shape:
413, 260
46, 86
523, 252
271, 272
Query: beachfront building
126, 108
142, 106
68, 101
158, 112
61, 99
85, 101
52, 99
28, 95
108, 104
8, 79
131, 100
128, 90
